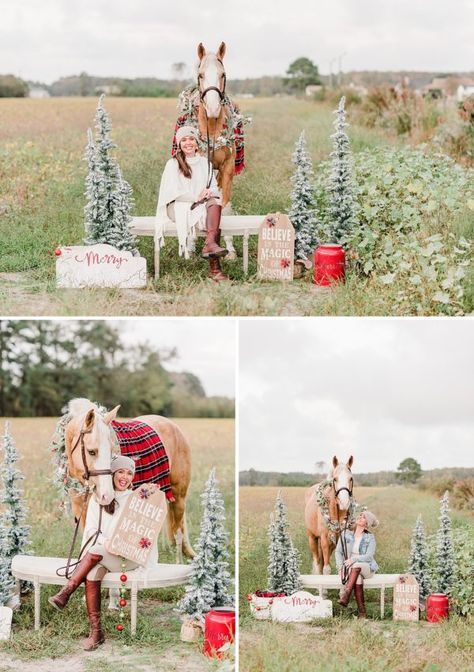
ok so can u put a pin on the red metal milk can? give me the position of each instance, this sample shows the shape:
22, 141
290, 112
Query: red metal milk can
219, 628
329, 265
437, 608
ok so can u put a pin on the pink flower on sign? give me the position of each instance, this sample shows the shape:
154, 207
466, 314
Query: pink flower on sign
144, 493
412, 607
145, 542
284, 263
271, 221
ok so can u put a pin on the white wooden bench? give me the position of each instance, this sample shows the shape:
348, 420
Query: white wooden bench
231, 225
41, 570
322, 582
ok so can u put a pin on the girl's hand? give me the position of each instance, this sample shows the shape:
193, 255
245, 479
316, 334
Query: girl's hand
205, 193
348, 562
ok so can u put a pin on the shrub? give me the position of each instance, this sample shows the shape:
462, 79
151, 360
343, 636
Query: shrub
408, 201
463, 494
463, 590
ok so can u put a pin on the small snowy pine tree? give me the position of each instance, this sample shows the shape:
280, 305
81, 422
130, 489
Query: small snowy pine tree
209, 580
13, 531
303, 205
283, 558
419, 559
108, 195
342, 207
7, 582
445, 557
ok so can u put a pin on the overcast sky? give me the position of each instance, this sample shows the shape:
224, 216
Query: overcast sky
381, 390
45, 39
206, 347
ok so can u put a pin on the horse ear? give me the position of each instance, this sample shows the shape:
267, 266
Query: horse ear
221, 51
335, 461
201, 51
350, 462
89, 419
111, 415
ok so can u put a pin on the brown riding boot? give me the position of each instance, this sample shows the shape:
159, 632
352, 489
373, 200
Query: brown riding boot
96, 636
211, 244
88, 562
215, 271
344, 599
359, 595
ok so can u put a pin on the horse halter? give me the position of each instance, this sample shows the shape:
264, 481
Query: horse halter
214, 88
88, 472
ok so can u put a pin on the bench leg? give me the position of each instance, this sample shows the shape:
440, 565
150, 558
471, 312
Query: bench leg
382, 602
37, 598
157, 262
133, 609
246, 252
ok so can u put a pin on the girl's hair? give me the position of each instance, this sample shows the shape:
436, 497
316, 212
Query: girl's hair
184, 166
110, 508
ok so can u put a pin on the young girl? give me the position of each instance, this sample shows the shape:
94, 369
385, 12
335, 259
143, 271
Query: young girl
186, 199
98, 560
360, 546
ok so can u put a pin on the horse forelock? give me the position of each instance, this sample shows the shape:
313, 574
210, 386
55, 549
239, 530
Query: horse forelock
80, 406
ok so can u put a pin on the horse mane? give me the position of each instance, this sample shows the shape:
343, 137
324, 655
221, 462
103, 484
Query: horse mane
80, 406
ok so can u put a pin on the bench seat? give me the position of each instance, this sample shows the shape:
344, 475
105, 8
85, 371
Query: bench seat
323, 582
41, 570
231, 225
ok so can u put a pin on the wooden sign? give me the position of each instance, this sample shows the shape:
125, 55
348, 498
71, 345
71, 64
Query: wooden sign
98, 266
300, 607
5, 623
406, 598
139, 525
276, 248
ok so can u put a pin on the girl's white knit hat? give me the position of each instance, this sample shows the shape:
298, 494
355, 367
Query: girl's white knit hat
122, 462
370, 518
183, 131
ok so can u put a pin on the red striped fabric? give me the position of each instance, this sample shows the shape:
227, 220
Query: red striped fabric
142, 443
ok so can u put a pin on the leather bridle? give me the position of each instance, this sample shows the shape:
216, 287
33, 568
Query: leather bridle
345, 570
88, 472
214, 88
202, 95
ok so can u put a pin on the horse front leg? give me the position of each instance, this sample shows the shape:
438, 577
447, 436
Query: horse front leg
226, 173
314, 548
177, 529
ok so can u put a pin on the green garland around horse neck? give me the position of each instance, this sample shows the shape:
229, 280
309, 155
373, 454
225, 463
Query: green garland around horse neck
189, 100
334, 527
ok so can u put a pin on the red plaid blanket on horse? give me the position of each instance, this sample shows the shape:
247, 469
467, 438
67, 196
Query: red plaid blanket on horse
140, 442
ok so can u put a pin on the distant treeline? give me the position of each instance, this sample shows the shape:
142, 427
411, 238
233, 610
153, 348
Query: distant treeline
88, 85
44, 364
379, 478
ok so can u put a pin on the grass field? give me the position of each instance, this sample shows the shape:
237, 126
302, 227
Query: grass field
212, 444
343, 643
41, 206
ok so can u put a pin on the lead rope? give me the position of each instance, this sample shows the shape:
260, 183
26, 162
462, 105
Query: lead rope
72, 565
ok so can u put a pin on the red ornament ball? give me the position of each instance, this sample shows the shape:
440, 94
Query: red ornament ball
57, 252
123, 578
123, 603
119, 627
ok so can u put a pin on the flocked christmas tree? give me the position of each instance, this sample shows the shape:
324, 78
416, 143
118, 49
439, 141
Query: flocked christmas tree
341, 187
109, 196
210, 579
445, 557
303, 205
13, 531
419, 559
283, 558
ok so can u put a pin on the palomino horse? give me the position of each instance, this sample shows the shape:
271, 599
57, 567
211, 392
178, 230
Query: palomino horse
212, 115
328, 505
90, 442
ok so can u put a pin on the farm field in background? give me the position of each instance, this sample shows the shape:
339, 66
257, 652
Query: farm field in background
212, 444
343, 643
42, 169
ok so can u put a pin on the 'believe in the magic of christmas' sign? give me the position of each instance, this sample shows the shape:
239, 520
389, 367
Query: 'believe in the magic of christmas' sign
406, 598
276, 248
137, 529
98, 266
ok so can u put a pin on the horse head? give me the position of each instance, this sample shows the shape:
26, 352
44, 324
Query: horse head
342, 482
211, 79
89, 446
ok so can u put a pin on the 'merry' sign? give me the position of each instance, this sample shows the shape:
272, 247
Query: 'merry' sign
276, 248
98, 266
140, 522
